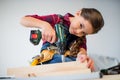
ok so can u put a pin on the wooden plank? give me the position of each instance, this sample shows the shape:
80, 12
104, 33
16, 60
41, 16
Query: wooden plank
49, 69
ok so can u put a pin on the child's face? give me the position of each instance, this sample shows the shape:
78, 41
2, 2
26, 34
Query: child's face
79, 26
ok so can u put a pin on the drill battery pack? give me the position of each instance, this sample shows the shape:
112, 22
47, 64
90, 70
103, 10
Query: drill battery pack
35, 37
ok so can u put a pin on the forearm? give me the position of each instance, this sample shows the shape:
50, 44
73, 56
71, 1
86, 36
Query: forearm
48, 32
33, 22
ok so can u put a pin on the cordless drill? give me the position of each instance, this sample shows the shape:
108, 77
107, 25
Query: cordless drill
35, 38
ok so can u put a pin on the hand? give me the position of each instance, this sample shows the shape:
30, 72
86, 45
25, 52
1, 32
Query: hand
48, 33
83, 58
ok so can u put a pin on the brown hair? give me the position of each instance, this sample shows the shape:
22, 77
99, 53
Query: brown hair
75, 46
94, 17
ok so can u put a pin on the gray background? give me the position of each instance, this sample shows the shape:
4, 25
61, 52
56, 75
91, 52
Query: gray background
17, 51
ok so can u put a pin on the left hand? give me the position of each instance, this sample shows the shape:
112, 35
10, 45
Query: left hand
83, 58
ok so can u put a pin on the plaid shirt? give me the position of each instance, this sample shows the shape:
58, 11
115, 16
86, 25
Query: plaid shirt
55, 18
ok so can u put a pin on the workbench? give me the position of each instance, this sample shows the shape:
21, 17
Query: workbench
60, 71
73, 77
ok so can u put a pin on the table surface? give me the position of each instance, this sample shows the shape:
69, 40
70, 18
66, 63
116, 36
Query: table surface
110, 77
106, 77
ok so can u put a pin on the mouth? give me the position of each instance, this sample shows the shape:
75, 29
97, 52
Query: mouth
73, 32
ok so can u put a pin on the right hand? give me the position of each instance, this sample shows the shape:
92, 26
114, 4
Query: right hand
48, 33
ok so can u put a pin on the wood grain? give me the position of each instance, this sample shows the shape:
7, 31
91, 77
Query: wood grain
49, 69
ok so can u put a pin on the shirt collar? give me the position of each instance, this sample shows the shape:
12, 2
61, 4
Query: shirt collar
66, 18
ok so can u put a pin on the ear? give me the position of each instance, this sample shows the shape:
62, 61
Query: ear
78, 13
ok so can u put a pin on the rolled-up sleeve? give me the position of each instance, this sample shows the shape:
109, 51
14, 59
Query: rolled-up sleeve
52, 19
